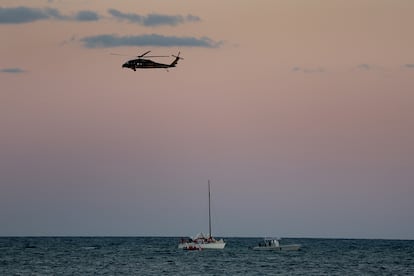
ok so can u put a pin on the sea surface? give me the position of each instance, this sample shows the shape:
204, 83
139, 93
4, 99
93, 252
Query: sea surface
160, 256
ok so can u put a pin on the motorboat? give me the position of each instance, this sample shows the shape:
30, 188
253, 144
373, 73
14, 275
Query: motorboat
274, 244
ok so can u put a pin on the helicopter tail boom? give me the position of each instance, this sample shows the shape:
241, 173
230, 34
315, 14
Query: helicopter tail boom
177, 58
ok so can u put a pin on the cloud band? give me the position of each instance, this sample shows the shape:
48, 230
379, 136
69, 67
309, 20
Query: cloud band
108, 40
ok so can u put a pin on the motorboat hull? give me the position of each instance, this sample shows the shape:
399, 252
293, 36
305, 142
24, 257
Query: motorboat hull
288, 247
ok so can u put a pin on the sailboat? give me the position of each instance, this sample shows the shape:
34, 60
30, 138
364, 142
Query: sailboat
201, 241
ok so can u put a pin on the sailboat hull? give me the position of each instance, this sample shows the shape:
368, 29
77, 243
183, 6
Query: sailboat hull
212, 245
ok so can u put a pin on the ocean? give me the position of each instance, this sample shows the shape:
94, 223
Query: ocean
160, 256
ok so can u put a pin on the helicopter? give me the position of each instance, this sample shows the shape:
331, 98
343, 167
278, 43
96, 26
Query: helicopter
143, 63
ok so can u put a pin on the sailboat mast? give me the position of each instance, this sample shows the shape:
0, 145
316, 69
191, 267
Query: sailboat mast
209, 211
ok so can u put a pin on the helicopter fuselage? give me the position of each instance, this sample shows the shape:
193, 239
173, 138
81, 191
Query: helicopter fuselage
141, 63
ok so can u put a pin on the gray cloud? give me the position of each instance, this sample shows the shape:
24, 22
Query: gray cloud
24, 15
132, 17
12, 70
192, 18
308, 70
19, 15
153, 19
87, 16
108, 40
368, 67
365, 66
409, 65
159, 19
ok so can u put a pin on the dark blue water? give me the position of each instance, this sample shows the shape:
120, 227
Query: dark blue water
160, 256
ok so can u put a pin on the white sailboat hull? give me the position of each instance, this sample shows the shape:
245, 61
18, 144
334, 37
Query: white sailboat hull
211, 245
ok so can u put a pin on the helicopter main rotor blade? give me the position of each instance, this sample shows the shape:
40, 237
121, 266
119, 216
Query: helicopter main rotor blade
144, 54
115, 54
156, 56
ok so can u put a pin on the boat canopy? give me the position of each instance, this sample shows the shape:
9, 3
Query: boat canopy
272, 242
272, 239
200, 236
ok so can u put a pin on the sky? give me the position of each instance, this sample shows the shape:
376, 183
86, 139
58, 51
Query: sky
300, 113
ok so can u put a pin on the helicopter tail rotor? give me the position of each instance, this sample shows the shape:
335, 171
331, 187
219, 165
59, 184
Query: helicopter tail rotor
177, 56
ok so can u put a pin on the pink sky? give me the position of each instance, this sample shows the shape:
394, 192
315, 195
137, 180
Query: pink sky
301, 113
